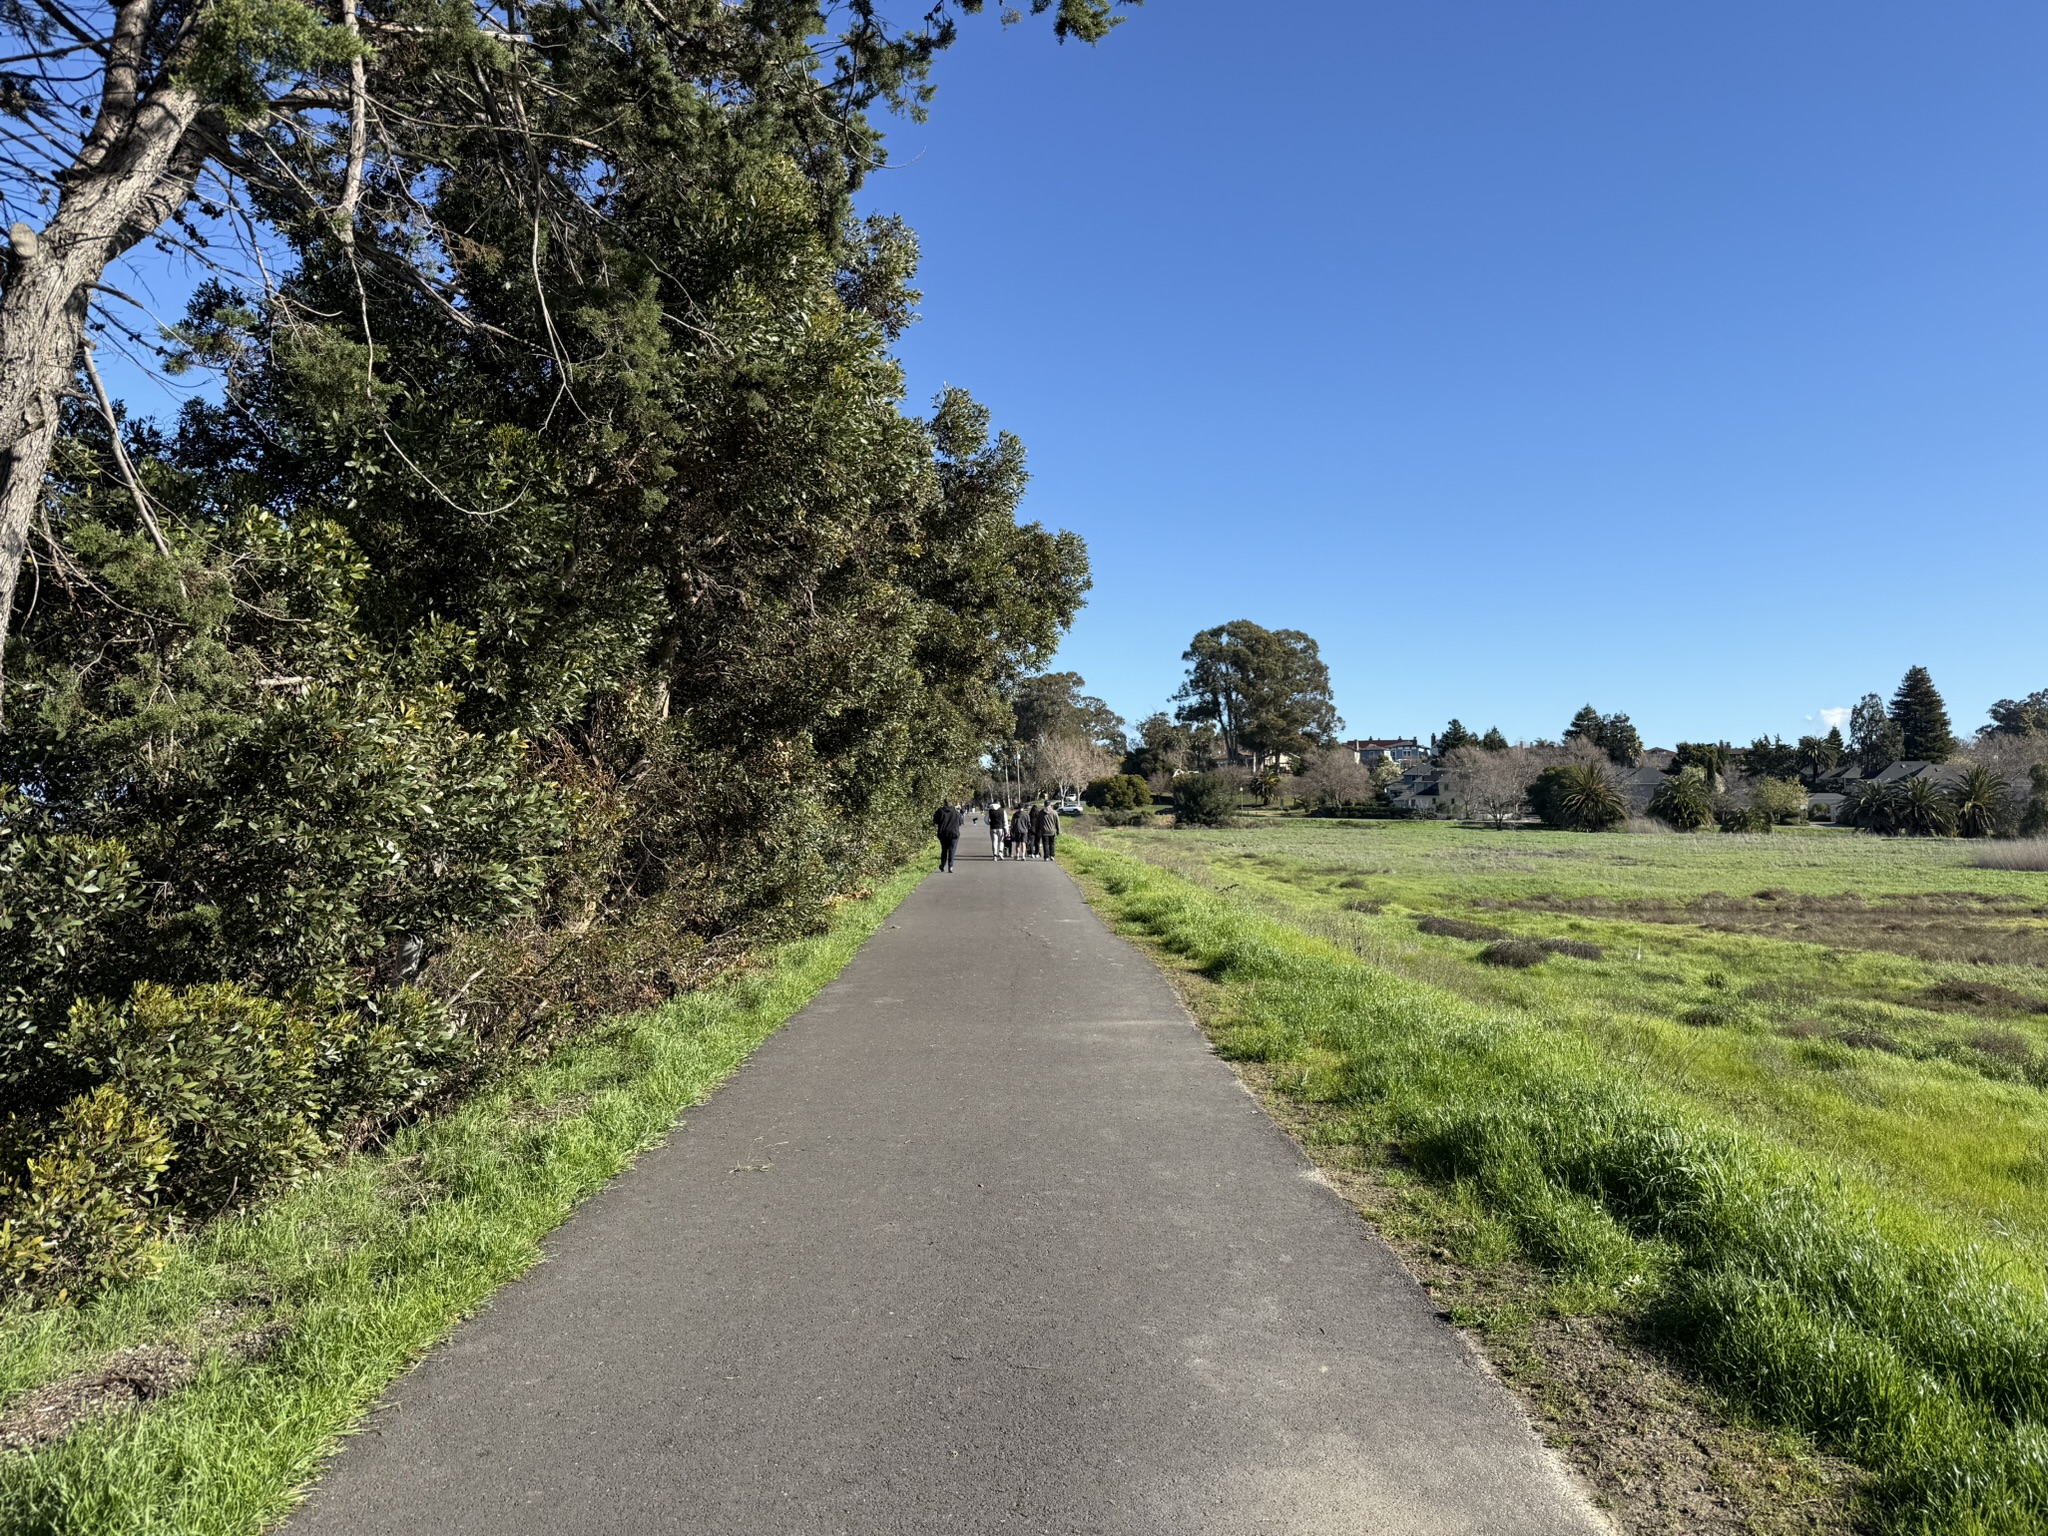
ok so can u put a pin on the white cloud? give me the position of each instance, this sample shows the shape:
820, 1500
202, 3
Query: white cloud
1834, 719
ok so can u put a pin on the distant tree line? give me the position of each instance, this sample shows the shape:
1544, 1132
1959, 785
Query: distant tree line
1254, 698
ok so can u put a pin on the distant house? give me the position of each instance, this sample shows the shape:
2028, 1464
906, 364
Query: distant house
1419, 791
1387, 749
1639, 786
1848, 775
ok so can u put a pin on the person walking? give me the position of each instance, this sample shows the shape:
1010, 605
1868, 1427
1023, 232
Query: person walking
1048, 840
1030, 831
946, 822
1020, 818
995, 829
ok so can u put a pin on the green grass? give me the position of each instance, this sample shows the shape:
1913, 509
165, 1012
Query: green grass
1845, 1238
1827, 1047
372, 1262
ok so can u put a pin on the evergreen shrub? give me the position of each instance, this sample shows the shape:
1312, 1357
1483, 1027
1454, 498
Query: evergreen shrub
1118, 794
1204, 800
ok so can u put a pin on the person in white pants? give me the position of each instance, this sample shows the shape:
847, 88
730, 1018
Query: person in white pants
995, 828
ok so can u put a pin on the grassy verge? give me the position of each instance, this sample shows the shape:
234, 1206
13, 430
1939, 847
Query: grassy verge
1913, 1346
365, 1267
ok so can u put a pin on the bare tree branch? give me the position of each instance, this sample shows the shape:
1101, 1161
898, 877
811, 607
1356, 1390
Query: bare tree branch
99, 391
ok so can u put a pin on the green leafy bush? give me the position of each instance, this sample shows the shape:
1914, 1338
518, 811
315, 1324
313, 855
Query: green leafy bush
64, 900
386, 1058
1783, 800
233, 1079
1204, 800
1118, 792
76, 1211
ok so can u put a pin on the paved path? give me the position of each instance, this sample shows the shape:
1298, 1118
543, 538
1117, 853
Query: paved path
984, 1240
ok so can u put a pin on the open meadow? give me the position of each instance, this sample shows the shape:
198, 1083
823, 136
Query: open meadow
1778, 1101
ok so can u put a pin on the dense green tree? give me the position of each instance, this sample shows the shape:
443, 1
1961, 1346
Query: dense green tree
1264, 690
1204, 800
558, 562
2034, 819
1620, 741
1454, 736
1614, 735
1876, 740
1493, 740
1923, 808
1164, 745
486, 167
1768, 757
1872, 806
1052, 704
2021, 717
1922, 718
1585, 726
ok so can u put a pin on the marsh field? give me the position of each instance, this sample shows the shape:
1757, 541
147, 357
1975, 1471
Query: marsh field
1780, 1103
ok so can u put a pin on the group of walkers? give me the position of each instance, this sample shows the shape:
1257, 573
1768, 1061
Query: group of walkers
1024, 832
1028, 832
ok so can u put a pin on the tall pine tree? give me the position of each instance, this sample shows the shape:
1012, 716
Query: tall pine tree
1922, 719
1585, 726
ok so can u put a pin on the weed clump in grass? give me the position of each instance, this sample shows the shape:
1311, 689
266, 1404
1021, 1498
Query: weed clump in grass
2004, 1045
1516, 954
1719, 1013
1458, 928
1575, 949
1363, 904
1864, 1038
1966, 996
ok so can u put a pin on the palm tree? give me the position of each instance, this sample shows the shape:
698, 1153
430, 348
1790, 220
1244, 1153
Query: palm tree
1925, 809
1588, 798
1980, 799
1683, 800
1871, 806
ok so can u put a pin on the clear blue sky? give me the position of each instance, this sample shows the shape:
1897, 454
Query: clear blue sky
1684, 358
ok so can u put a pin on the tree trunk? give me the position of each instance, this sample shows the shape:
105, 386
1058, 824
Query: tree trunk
145, 176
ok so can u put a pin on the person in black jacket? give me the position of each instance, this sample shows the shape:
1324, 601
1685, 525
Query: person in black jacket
946, 822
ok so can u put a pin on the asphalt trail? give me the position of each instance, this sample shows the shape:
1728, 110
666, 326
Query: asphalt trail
984, 1240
